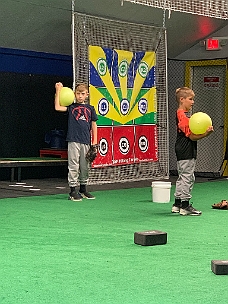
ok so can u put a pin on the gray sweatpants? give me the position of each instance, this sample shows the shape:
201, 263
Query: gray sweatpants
186, 179
78, 167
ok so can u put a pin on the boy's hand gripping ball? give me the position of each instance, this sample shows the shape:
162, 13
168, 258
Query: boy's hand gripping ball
199, 123
66, 96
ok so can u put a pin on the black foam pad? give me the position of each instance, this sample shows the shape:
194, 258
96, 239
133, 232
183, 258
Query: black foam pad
150, 238
219, 266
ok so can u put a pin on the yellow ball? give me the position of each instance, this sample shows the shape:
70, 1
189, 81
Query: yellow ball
66, 96
199, 123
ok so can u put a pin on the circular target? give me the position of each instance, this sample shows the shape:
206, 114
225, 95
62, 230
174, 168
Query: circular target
143, 69
101, 66
103, 106
143, 143
124, 145
103, 147
123, 67
124, 106
143, 106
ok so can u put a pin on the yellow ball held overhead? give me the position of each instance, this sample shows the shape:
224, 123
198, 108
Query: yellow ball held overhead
199, 123
66, 96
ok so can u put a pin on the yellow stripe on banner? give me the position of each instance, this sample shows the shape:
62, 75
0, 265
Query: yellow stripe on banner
96, 96
124, 60
95, 54
147, 62
151, 97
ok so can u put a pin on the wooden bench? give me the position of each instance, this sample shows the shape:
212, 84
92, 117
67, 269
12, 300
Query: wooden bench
18, 163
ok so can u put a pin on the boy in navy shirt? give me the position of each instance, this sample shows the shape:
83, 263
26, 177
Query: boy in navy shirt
82, 128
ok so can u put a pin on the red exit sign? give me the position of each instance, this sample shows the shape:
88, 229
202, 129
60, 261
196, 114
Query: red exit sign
211, 82
212, 44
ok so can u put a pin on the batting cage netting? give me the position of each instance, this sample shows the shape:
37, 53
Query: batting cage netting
110, 35
210, 8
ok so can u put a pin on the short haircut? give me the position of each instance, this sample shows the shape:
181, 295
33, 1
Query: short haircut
183, 92
81, 87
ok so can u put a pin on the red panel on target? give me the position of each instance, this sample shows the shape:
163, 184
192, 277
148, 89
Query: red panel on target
123, 145
146, 146
104, 155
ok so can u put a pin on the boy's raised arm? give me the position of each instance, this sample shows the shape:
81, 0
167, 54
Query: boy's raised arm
58, 107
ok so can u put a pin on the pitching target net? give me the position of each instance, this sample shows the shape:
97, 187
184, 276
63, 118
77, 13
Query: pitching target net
112, 34
209, 8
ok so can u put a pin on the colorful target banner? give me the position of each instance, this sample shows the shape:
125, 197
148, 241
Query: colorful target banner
123, 92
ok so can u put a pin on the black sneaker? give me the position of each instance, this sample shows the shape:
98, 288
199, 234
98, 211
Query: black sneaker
87, 195
75, 196
189, 211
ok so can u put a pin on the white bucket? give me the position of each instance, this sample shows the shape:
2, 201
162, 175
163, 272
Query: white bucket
161, 192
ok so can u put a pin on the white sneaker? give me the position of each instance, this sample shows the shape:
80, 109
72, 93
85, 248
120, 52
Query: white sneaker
175, 209
190, 211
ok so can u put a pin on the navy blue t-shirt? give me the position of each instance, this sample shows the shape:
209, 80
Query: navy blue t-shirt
80, 122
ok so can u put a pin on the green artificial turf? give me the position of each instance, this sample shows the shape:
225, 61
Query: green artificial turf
53, 250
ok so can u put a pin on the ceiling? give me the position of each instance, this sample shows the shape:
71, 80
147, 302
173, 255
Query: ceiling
45, 25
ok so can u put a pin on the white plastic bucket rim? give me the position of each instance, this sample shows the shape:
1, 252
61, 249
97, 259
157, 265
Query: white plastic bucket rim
162, 186
155, 184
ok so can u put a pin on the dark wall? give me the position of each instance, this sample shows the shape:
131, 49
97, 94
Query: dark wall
27, 89
27, 112
27, 100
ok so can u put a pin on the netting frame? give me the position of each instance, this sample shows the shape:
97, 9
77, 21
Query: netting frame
85, 29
